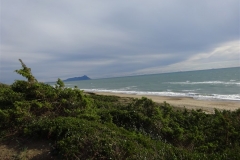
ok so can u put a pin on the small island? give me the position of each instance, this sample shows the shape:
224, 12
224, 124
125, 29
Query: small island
78, 78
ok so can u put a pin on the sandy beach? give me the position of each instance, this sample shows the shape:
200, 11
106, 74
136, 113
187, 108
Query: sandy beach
190, 103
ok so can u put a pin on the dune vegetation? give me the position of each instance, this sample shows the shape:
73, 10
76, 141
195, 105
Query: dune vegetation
81, 125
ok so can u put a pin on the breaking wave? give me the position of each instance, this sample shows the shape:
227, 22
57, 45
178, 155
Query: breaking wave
231, 82
234, 97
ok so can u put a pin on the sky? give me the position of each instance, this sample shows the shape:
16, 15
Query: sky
101, 39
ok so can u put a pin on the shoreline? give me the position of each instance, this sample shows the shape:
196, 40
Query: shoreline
207, 106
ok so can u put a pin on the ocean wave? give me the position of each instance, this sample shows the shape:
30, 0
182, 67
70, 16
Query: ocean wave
231, 82
127, 88
234, 97
188, 90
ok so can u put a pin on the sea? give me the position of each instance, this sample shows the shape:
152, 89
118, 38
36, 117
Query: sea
213, 84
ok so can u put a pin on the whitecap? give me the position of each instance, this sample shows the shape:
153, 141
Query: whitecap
206, 82
234, 97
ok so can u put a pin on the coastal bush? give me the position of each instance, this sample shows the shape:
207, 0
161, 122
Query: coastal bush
192, 130
83, 139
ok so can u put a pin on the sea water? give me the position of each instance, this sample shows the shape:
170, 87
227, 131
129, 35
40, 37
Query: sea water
218, 84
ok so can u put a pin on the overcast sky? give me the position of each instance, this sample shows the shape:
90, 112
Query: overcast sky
61, 38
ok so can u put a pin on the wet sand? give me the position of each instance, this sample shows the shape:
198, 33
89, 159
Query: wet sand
206, 105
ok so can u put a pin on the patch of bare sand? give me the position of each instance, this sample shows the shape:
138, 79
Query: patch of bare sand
207, 106
15, 148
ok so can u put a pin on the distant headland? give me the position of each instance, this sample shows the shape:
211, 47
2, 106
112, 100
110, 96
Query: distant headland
78, 78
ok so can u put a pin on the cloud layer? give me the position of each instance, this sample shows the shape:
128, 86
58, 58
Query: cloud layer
107, 38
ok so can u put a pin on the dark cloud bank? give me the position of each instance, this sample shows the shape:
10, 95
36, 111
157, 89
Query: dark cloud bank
106, 38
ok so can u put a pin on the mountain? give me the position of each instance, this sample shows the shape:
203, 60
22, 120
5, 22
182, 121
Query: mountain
78, 78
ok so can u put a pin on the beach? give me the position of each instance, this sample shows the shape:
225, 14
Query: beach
207, 106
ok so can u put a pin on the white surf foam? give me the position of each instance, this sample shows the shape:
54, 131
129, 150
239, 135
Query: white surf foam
234, 97
231, 82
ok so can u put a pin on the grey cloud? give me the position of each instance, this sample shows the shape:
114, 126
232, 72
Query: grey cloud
112, 37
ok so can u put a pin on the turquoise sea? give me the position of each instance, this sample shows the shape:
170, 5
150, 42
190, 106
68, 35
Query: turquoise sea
218, 84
